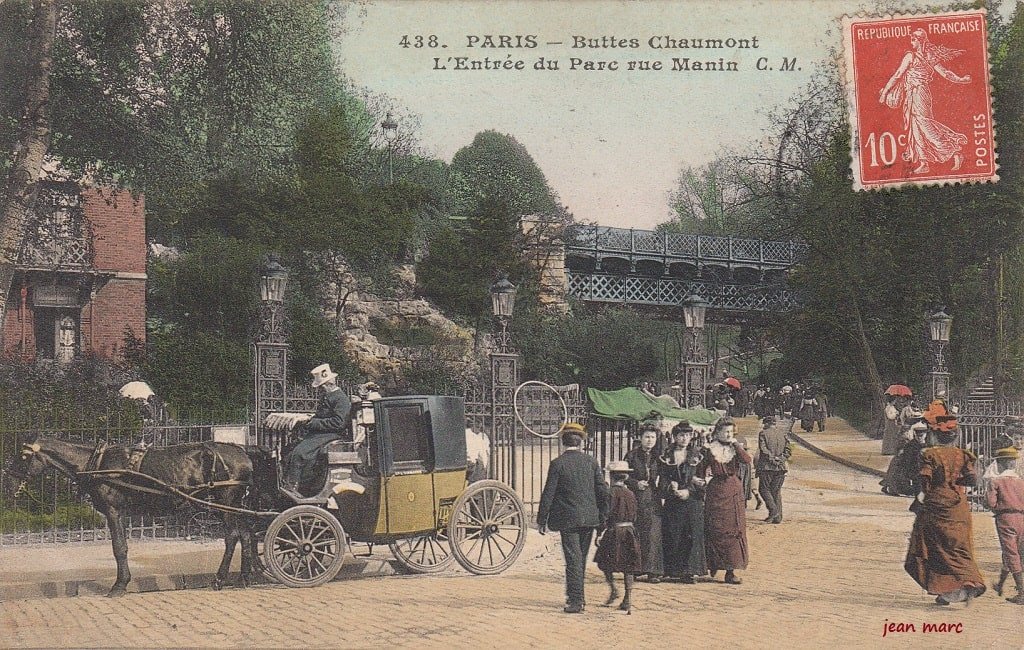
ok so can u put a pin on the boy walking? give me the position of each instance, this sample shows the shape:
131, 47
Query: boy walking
1005, 497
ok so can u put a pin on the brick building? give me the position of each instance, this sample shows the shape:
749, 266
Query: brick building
80, 284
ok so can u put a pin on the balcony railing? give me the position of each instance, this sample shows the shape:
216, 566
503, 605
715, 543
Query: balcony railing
58, 252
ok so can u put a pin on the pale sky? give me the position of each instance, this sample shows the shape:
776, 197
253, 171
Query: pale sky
611, 143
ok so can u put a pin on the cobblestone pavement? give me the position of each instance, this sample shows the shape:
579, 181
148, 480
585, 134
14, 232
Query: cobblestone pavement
831, 574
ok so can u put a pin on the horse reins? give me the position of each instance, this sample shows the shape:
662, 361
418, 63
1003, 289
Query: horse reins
112, 476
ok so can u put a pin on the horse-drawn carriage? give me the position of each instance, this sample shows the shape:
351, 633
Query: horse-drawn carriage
403, 484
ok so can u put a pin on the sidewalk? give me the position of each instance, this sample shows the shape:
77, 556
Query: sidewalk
57, 571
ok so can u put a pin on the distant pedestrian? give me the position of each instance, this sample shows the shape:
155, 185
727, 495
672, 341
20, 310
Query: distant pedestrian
891, 426
940, 556
1005, 498
904, 475
574, 503
773, 452
725, 520
643, 481
821, 414
619, 548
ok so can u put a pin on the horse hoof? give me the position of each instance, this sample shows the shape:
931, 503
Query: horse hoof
244, 582
218, 584
116, 592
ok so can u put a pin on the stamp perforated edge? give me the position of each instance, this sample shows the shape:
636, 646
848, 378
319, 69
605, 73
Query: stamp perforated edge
850, 93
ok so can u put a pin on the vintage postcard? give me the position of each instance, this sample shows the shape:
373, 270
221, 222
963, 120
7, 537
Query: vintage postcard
459, 323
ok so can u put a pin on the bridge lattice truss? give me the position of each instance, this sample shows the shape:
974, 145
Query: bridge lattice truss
649, 268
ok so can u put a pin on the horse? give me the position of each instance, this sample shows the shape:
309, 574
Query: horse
117, 477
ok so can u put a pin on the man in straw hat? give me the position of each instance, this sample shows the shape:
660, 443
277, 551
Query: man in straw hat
1005, 497
940, 556
329, 422
574, 502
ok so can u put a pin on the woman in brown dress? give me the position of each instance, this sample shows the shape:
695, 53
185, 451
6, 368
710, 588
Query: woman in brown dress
725, 519
619, 548
941, 553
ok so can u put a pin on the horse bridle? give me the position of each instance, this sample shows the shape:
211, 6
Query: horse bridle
27, 451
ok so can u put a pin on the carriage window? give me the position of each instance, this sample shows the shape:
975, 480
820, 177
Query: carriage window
410, 436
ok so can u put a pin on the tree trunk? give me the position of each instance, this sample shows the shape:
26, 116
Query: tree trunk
30, 148
874, 380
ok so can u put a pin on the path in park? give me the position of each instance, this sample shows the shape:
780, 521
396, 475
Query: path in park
831, 573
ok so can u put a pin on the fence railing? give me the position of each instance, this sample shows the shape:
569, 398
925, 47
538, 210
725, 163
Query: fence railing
52, 509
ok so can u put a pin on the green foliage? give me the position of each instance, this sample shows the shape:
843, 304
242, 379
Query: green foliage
70, 516
497, 167
599, 348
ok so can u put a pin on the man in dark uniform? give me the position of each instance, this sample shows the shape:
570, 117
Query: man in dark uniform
574, 502
329, 422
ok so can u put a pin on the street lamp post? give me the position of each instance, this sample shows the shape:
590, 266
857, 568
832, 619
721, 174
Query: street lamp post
504, 379
939, 325
390, 128
694, 365
271, 346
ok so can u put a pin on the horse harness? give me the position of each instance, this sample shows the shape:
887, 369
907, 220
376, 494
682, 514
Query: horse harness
135, 457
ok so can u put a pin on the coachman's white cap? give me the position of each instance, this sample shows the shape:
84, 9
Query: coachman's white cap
322, 374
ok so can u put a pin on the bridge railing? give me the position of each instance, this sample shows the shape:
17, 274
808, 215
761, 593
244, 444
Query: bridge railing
649, 242
669, 292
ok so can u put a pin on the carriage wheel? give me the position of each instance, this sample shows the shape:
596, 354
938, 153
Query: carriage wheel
423, 554
304, 547
487, 530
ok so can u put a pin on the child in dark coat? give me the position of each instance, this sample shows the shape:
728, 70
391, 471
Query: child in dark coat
619, 548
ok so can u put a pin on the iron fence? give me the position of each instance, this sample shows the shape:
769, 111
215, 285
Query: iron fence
980, 422
51, 509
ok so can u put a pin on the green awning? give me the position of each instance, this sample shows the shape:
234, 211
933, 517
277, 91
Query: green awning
634, 404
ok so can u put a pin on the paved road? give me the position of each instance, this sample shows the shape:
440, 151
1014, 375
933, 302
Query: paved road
831, 574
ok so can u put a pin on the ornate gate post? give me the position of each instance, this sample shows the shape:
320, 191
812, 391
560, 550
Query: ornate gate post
271, 346
694, 365
504, 379
939, 325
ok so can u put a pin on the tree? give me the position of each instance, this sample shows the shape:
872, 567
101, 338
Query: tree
32, 142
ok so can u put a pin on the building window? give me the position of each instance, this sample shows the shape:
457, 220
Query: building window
57, 334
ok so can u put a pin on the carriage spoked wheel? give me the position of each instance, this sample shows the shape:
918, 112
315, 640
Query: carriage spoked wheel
487, 529
424, 554
304, 546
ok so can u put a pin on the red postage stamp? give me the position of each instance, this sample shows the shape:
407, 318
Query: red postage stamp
920, 103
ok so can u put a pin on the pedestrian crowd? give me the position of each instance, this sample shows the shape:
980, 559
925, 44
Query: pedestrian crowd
675, 510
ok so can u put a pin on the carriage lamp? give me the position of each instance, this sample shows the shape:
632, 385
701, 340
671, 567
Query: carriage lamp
503, 297
273, 280
939, 325
694, 309
390, 128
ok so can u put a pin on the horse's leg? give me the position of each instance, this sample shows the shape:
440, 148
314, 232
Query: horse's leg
230, 540
245, 531
119, 542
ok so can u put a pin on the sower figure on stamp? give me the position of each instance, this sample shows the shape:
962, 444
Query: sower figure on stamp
329, 422
574, 502
928, 140
619, 548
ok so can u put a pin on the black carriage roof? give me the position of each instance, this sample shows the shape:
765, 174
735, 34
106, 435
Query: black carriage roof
447, 424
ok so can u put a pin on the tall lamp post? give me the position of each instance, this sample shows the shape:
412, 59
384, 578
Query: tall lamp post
504, 379
939, 325
271, 347
390, 128
694, 365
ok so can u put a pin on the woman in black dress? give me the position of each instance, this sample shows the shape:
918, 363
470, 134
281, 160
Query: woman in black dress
682, 517
643, 481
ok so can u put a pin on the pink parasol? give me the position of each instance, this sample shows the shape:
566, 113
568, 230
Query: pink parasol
732, 381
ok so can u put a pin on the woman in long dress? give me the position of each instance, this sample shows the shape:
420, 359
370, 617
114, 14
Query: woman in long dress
891, 433
643, 481
682, 517
928, 140
725, 519
940, 557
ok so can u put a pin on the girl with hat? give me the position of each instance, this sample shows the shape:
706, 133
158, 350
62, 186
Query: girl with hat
1005, 497
619, 548
940, 556
725, 519
643, 481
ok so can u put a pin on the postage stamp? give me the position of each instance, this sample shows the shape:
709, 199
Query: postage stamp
919, 99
